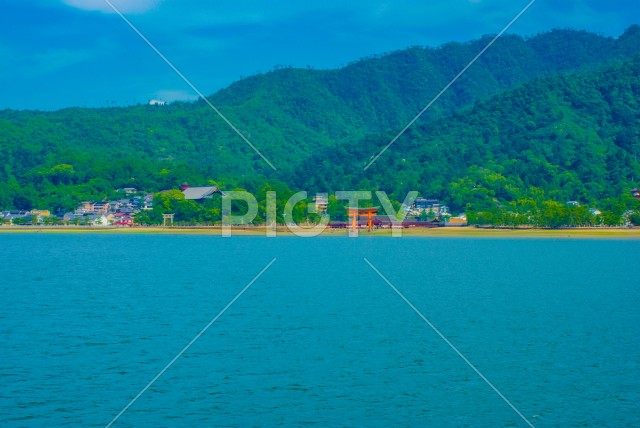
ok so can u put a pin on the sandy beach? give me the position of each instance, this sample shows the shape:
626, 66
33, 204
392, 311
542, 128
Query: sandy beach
463, 232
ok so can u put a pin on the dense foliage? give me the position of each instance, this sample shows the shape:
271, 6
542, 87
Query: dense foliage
551, 118
571, 137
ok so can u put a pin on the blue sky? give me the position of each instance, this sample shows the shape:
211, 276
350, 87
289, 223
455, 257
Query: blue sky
63, 53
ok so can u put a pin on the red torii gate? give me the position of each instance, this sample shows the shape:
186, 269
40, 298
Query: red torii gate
355, 213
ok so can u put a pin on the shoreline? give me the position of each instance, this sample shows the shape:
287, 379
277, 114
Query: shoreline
449, 232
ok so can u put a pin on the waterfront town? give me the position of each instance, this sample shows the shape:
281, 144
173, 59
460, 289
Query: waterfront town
122, 212
117, 212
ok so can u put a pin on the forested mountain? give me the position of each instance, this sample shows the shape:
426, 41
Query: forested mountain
568, 137
555, 113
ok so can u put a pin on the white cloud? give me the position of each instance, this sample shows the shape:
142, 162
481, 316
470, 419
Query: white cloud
170, 95
124, 6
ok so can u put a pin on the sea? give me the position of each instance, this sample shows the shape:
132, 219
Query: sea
142, 330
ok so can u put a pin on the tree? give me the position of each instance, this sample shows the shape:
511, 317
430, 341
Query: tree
610, 218
336, 209
553, 214
51, 220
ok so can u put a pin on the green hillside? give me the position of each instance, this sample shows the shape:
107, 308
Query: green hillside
568, 135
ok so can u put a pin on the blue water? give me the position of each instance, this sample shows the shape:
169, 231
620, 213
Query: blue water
86, 321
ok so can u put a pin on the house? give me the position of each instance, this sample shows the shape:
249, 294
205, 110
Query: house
407, 222
440, 210
101, 207
123, 221
428, 206
199, 193
41, 213
69, 217
157, 102
635, 193
594, 211
456, 221
87, 206
95, 219
126, 210
422, 204
321, 201
147, 203
122, 204
573, 203
127, 190
12, 215
87, 218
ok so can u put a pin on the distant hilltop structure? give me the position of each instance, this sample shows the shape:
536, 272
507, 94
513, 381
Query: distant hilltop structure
157, 102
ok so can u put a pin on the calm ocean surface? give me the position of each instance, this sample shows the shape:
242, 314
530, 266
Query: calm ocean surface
86, 321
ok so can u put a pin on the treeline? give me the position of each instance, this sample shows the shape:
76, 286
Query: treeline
553, 214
